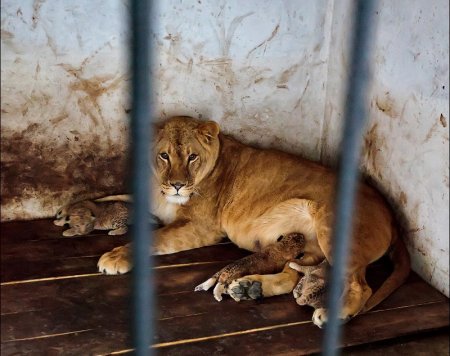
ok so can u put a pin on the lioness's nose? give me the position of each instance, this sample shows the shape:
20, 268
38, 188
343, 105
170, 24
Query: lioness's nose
177, 185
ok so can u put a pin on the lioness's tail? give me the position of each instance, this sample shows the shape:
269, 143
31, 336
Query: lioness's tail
400, 258
122, 197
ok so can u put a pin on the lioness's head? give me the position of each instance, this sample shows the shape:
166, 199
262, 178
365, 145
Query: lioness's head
185, 151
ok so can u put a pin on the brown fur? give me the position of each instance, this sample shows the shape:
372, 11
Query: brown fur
85, 216
253, 196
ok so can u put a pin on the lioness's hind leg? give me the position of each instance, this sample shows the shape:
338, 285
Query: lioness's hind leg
357, 295
267, 285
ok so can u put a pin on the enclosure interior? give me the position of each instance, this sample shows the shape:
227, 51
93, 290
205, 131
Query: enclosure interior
272, 74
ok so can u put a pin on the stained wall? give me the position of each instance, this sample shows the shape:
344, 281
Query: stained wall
63, 103
406, 147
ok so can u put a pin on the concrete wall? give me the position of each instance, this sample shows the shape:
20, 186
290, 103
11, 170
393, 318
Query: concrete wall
270, 72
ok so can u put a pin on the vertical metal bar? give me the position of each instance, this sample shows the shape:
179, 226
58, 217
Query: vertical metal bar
355, 114
142, 302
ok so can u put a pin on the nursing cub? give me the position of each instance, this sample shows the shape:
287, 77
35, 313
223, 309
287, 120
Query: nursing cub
207, 185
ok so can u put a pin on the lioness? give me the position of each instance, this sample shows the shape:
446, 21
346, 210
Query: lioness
208, 185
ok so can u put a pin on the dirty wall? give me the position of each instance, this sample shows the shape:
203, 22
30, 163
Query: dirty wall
270, 72
406, 147
63, 103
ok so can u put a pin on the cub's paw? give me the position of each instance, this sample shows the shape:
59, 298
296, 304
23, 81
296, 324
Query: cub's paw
218, 290
119, 231
60, 222
117, 261
206, 285
245, 289
320, 317
71, 232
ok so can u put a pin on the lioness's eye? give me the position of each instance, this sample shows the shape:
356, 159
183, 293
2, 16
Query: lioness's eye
164, 156
192, 157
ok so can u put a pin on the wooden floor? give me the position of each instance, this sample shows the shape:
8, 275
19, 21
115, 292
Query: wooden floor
53, 302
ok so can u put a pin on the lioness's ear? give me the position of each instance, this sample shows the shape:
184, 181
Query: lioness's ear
209, 129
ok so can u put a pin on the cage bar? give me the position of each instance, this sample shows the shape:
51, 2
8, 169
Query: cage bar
355, 118
140, 59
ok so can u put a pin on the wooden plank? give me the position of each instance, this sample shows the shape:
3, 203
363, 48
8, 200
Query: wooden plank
79, 342
61, 293
215, 319
27, 270
106, 300
187, 277
35, 249
34, 265
61, 247
82, 312
19, 231
306, 338
275, 339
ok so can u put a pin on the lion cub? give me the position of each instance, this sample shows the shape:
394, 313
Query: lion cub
311, 289
85, 216
271, 259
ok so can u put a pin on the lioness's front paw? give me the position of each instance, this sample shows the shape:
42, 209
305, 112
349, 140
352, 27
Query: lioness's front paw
245, 289
117, 261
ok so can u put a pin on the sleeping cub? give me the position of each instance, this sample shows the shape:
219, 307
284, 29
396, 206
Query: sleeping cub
85, 216
311, 289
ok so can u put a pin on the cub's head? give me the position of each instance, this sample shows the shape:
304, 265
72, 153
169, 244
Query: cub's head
185, 152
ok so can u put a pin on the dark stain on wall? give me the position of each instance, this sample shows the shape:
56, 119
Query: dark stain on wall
86, 166
36, 12
373, 144
443, 120
386, 104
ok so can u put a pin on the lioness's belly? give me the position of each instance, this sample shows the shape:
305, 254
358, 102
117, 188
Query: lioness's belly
254, 229
252, 235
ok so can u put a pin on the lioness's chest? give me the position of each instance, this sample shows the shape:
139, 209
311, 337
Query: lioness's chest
165, 211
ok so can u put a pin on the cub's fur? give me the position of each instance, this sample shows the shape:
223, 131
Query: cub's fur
85, 216
311, 288
270, 260
207, 185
